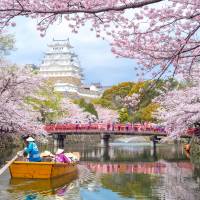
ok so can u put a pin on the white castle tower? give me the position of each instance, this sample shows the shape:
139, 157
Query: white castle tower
61, 65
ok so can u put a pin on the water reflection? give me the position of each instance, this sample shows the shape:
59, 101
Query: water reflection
144, 168
46, 187
133, 153
161, 180
120, 172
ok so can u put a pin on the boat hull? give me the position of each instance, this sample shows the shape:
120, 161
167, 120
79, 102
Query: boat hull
41, 170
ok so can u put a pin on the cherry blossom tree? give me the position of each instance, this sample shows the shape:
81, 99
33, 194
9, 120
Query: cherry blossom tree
48, 102
180, 108
15, 115
75, 113
157, 33
106, 115
132, 101
163, 38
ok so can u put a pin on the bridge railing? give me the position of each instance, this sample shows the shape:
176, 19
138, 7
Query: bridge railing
194, 131
102, 127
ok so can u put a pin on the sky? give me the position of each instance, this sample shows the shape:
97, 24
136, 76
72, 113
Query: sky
96, 58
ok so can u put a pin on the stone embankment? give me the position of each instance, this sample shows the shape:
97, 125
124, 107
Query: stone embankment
8, 142
195, 150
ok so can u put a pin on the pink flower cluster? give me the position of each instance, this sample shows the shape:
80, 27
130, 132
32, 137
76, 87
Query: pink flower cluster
15, 115
132, 101
158, 34
180, 108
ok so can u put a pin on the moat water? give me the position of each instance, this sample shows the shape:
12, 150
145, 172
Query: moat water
124, 171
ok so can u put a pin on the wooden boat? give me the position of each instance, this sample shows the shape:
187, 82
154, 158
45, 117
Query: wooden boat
41, 170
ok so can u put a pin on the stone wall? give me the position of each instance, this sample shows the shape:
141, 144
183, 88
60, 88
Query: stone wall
8, 142
195, 150
78, 139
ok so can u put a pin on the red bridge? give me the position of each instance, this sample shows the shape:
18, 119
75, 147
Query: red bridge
111, 129
103, 127
59, 131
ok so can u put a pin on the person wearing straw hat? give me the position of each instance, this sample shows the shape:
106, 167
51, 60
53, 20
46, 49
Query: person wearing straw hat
60, 156
32, 150
72, 156
47, 156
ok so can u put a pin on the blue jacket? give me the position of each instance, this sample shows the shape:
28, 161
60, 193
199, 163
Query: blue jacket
32, 150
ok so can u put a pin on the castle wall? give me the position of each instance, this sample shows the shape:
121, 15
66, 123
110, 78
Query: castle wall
69, 80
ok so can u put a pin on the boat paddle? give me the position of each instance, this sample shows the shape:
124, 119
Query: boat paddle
3, 169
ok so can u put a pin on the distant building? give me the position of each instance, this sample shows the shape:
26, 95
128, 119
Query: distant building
32, 66
61, 65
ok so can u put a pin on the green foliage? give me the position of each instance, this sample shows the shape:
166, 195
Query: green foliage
112, 98
145, 113
137, 87
48, 103
87, 107
6, 44
121, 90
147, 90
103, 102
131, 185
123, 115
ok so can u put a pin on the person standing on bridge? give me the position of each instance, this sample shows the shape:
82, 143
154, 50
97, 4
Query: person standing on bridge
108, 126
127, 126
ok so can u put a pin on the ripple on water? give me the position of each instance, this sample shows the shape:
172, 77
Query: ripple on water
174, 179
59, 188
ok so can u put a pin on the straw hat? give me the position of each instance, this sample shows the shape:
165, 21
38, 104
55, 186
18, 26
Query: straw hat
74, 155
46, 153
59, 151
30, 139
70, 155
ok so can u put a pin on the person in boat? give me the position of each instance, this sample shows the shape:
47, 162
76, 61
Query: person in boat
61, 157
47, 156
72, 156
32, 150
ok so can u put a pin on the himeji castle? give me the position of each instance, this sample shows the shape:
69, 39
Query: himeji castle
61, 65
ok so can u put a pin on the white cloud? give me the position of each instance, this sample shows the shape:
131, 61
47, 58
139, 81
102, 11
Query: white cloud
97, 61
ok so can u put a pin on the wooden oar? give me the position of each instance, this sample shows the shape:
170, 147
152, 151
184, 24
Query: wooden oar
3, 169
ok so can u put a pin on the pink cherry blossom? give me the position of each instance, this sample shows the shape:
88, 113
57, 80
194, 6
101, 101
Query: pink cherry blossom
15, 115
158, 34
132, 101
180, 108
75, 113
106, 115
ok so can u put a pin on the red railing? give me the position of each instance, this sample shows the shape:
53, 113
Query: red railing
193, 131
102, 127
98, 127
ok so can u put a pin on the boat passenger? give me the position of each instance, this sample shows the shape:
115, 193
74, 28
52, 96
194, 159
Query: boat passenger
61, 157
47, 156
72, 157
32, 150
